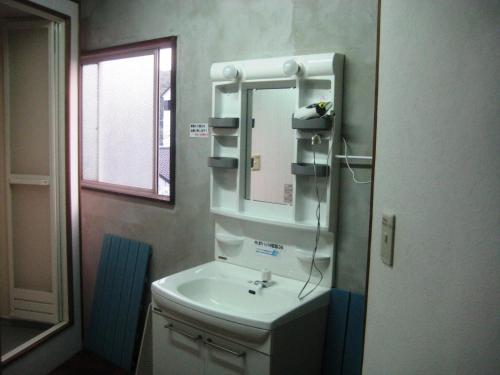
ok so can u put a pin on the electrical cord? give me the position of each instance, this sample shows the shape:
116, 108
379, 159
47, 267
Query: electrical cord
349, 166
318, 222
318, 217
316, 242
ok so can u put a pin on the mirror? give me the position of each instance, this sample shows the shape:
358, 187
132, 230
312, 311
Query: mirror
270, 144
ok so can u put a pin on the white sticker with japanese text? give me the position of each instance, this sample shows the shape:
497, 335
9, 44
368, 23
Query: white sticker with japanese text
198, 130
268, 248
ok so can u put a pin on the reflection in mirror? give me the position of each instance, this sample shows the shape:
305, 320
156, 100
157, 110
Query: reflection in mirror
270, 142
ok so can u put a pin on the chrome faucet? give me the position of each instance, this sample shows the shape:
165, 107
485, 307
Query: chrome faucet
262, 283
265, 279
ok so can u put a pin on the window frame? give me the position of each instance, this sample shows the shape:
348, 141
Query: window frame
136, 49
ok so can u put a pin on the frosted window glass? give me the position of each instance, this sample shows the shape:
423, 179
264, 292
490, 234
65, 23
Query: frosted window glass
32, 255
89, 121
126, 128
28, 87
119, 123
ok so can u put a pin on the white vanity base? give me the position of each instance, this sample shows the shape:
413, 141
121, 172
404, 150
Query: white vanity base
184, 347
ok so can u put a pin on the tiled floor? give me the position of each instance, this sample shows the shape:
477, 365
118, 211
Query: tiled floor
17, 332
87, 363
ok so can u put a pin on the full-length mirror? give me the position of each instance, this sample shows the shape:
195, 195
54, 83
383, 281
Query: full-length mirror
270, 142
33, 243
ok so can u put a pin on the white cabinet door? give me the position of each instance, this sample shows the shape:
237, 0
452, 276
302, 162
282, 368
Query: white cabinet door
177, 348
224, 357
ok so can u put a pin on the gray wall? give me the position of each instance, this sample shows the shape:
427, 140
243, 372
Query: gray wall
212, 31
437, 310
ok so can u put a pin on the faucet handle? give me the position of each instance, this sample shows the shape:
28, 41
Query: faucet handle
266, 275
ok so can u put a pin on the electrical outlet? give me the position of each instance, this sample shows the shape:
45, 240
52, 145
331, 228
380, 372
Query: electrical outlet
387, 246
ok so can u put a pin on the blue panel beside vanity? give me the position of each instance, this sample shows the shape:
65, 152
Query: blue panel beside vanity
117, 300
344, 340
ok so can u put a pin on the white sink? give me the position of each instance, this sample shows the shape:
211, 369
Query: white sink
221, 293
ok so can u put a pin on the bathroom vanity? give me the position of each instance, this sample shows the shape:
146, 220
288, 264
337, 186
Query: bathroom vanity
212, 320
193, 349
273, 193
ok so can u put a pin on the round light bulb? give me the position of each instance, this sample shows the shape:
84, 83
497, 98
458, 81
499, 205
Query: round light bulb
230, 72
291, 67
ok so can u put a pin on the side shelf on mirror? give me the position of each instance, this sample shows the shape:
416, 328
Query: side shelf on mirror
224, 122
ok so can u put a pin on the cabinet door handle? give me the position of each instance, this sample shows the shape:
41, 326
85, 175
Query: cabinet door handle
209, 342
188, 335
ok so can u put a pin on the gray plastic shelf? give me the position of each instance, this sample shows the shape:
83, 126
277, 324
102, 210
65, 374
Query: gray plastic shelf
221, 162
319, 123
307, 169
224, 122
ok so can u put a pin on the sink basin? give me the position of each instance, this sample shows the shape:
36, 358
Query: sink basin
221, 293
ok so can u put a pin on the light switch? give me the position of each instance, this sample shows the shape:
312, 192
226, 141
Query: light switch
387, 246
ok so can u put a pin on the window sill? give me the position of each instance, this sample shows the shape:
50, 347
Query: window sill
123, 190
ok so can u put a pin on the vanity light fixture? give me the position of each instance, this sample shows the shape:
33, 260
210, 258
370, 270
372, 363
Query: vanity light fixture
230, 72
291, 67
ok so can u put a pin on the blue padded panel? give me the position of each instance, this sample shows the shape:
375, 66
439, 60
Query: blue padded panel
353, 349
118, 293
336, 331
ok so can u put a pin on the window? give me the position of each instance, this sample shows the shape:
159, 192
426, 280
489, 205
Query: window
128, 119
